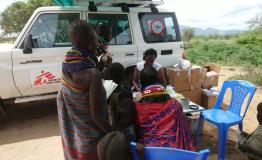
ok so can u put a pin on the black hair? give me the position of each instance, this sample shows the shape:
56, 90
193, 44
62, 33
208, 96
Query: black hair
115, 72
149, 52
104, 30
82, 35
113, 145
148, 76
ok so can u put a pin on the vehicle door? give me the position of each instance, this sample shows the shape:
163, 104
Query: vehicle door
122, 45
39, 71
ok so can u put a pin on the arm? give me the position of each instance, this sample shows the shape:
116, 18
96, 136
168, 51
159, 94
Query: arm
104, 60
140, 150
161, 76
95, 91
135, 79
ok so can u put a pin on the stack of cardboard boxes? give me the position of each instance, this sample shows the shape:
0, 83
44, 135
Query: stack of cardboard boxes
187, 82
190, 82
210, 79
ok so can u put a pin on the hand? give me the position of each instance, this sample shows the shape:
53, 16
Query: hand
106, 59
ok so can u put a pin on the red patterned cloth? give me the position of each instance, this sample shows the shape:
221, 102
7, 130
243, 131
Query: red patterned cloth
163, 125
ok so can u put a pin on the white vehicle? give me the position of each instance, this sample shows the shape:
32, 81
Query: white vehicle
30, 69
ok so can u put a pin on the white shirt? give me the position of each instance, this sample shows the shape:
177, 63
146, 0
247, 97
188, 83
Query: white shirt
141, 65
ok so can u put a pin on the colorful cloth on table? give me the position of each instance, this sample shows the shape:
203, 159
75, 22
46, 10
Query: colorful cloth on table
79, 132
163, 124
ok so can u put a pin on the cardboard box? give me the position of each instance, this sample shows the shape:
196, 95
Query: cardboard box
194, 95
210, 79
209, 101
185, 79
213, 67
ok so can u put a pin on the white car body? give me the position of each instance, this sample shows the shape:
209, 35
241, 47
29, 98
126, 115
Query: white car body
21, 73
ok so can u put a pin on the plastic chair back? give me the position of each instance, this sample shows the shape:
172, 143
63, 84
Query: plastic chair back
164, 153
239, 90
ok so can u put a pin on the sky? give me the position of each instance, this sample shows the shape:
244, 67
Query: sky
220, 14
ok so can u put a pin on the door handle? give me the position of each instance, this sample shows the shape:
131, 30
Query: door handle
166, 52
130, 54
31, 61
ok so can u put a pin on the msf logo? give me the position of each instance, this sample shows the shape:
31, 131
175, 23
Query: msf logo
44, 78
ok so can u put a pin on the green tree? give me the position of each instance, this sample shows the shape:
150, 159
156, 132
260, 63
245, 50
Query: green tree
33, 4
253, 37
14, 17
256, 22
187, 35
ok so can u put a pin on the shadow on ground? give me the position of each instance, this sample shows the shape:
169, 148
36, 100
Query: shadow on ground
208, 140
29, 121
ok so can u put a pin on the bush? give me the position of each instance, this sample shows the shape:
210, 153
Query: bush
226, 52
251, 74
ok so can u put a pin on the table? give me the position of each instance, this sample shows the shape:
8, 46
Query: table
187, 110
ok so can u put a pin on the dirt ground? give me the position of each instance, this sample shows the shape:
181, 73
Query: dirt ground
31, 131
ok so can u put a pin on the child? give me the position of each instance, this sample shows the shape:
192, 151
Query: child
114, 146
252, 145
121, 106
123, 116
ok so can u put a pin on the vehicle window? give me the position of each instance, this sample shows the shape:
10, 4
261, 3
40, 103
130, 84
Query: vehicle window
121, 33
51, 30
159, 27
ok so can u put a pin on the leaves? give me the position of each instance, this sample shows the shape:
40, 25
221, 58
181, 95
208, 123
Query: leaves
187, 35
14, 17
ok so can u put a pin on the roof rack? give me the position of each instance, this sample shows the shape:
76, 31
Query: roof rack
116, 2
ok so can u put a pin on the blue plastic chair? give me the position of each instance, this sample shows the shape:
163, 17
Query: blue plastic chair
225, 119
164, 153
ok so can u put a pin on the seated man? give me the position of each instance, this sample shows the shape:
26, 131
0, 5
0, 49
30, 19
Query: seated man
160, 119
252, 144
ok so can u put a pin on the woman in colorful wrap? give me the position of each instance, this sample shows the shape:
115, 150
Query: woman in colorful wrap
81, 100
160, 119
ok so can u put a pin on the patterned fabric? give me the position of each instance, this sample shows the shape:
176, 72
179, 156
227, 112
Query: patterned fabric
77, 59
163, 125
79, 132
154, 93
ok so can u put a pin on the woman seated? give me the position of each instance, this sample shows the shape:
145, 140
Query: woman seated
160, 119
148, 62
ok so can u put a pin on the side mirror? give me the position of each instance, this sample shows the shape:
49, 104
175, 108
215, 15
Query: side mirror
28, 44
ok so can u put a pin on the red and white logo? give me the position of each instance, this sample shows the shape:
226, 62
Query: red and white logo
42, 77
